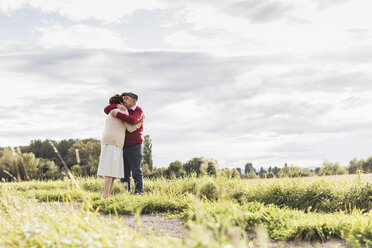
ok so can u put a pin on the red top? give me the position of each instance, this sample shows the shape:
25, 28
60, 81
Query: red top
134, 117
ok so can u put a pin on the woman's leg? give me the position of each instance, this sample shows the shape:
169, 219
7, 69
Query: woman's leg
106, 187
112, 183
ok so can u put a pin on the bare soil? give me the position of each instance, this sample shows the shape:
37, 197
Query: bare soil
157, 224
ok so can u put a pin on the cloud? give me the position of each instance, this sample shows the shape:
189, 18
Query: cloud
358, 56
260, 11
328, 3
79, 10
229, 82
81, 35
270, 27
8, 6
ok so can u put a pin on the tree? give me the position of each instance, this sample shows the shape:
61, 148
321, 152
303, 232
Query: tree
294, 171
25, 166
77, 170
29, 165
367, 166
157, 173
212, 168
262, 172
199, 166
251, 175
239, 170
147, 152
330, 168
64, 145
89, 151
249, 168
276, 170
269, 174
285, 171
41, 149
145, 170
355, 165
361, 165
176, 169
47, 169
8, 165
229, 173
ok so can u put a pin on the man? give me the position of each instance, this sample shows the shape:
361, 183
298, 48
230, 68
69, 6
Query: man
132, 150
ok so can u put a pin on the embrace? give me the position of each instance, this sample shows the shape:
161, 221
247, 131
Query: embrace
121, 143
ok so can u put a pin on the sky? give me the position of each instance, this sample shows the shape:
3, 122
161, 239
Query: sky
261, 81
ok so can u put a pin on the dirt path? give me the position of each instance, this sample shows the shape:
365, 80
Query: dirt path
161, 225
157, 224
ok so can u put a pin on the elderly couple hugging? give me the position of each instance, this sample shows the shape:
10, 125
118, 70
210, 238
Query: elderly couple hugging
121, 144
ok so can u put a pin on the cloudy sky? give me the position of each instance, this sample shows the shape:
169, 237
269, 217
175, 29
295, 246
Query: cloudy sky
261, 81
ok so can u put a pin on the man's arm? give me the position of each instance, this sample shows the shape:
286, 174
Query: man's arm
114, 106
109, 108
131, 119
131, 128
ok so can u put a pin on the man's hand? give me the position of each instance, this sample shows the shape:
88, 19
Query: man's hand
121, 107
114, 112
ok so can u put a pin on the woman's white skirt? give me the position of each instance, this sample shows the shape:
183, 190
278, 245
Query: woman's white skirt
111, 162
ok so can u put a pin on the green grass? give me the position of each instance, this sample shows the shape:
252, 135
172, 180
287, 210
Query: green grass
226, 210
319, 195
144, 204
285, 223
26, 223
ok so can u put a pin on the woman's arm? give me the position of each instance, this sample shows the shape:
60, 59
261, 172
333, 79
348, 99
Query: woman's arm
122, 110
130, 127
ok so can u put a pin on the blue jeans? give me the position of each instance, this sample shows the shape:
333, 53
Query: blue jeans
133, 165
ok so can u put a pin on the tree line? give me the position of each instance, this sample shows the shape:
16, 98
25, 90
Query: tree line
38, 160
204, 166
328, 168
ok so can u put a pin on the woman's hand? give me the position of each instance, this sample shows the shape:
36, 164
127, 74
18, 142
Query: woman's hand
121, 107
114, 112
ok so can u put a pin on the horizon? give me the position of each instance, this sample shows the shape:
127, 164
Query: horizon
257, 167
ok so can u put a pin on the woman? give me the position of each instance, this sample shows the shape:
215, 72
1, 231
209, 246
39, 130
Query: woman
112, 142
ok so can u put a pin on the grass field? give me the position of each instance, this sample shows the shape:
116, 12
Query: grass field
217, 211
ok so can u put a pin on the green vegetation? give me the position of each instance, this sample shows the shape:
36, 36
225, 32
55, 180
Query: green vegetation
219, 206
228, 209
39, 161
26, 223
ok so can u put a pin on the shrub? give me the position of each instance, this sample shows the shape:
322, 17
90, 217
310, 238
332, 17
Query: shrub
209, 191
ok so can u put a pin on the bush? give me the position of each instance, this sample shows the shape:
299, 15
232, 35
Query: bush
330, 168
77, 170
209, 191
251, 175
